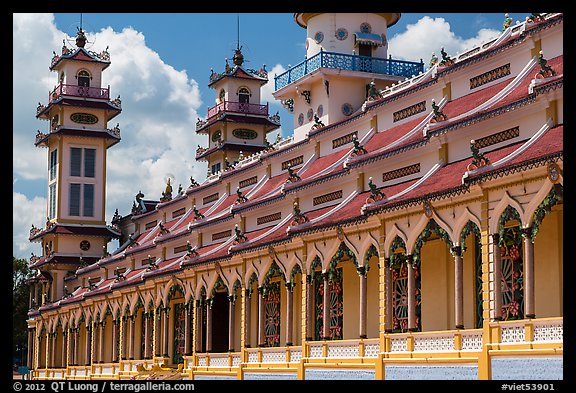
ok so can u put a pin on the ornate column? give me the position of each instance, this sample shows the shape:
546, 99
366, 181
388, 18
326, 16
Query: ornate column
247, 308
326, 307
231, 323
411, 294
309, 306
198, 327
132, 322
30, 352
114, 340
497, 277
123, 341
458, 288
157, 341
165, 331
88, 345
187, 324
50, 347
528, 273
208, 325
388, 295
363, 301
101, 342
64, 347
289, 312
261, 317
75, 360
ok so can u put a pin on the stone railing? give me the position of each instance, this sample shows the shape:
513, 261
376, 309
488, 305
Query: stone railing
106, 370
344, 348
441, 341
218, 360
544, 330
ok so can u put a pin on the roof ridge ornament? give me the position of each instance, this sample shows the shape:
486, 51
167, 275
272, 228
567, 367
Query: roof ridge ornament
478, 160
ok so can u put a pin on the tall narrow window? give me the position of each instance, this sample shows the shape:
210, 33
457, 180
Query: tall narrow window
88, 210
75, 161
53, 162
216, 168
52, 199
243, 98
89, 162
74, 199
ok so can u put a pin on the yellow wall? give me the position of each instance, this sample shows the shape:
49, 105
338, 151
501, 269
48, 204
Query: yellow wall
372, 312
548, 265
351, 309
437, 274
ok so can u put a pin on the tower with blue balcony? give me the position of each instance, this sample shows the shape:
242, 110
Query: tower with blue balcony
346, 61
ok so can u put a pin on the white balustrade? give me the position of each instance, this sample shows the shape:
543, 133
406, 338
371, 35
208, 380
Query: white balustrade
434, 342
513, 333
548, 330
295, 355
371, 349
219, 360
253, 357
472, 340
236, 360
315, 350
399, 344
343, 349
202, 360
273, 356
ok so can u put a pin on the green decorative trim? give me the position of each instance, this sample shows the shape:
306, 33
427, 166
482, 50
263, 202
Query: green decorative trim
273, 271
219, 284
173, 290
508, 214
432, 228
397, 259
469, 228
342, 251
554, 197
372, 251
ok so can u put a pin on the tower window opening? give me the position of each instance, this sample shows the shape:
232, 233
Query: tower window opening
365, 50
243, 98
83, 78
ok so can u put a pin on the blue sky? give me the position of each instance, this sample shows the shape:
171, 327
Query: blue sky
160, 67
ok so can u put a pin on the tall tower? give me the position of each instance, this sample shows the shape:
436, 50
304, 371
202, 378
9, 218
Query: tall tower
238, 122
79, 110
346, 61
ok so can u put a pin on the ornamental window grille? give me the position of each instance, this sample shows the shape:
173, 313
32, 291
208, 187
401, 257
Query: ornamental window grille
472, 229
248, 182
146, 320
150, 225
179, 332
52, 200
292, 162
512, 279
272, 314
336, 304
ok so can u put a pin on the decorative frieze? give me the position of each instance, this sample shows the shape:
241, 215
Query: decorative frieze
497, 137
292, 162
179, 212
221, 235
343, 140
401, 172
248, 182
210, 198
410, 111
151, 224
327, 197
269, 218
490, 76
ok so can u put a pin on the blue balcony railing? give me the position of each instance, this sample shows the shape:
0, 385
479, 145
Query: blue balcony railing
341, 61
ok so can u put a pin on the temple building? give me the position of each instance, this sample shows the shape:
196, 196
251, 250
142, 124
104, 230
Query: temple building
410, 228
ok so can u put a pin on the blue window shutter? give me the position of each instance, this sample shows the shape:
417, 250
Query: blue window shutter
75, 161
53, 163
88, 200
52, 196
74, 199
89, 162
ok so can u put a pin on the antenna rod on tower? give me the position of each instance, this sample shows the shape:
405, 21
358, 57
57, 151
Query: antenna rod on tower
238, 32
80, 21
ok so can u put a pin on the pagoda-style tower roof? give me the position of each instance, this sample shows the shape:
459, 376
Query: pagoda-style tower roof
302, 17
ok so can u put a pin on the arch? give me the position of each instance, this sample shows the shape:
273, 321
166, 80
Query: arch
219, 283
461, 222
295, 270
251, 275
272, 271
243, 94
293, 263
505, 201
370, 252
83, 77
394, 233
369, 242
421, 226
271, 263
534, 216
342, 251
432, 228
172, 289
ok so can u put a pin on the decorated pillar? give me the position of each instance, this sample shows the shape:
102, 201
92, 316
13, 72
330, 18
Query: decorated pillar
29, 355
88, 345
75, 360
289, 312
497, 277
64, 348
101, 342
198, 327
326, 307
165, 331
528, 273
458, 288
411, 294
157, 342
261, 317
363, 301
114, 340
123, 349
231, 323
309, 306
247, 312
132, 322
50, 347
208, 325
388, 295
187, 323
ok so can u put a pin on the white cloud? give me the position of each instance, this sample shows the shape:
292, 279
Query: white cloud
428, 35
25, 213
157, 123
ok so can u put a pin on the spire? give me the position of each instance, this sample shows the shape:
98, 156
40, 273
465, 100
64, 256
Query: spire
238, 58
80, 36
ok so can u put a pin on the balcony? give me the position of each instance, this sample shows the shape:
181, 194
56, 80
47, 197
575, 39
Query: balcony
341, 61
238, 107
79, 91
